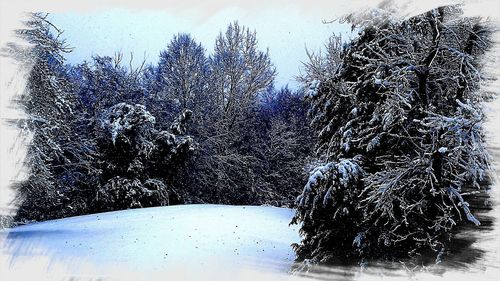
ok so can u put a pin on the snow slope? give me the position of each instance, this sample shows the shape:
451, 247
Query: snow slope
158, 240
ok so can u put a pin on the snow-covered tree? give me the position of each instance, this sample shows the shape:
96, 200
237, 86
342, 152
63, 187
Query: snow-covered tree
105, 81
398, 115
239, 72
139, 162
286, 143
227, 166
57, 158
183, 70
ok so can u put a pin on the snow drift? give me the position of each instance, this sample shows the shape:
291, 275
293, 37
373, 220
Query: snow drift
159, 239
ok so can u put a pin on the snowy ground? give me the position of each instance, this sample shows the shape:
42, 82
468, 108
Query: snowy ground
145, 241
206, 242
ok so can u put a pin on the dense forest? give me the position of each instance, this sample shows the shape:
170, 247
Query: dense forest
192, 129
378, 151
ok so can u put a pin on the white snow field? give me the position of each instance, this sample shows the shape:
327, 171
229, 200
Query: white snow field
149, 241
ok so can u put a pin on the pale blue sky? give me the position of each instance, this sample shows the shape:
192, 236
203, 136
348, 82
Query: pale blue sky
285, 31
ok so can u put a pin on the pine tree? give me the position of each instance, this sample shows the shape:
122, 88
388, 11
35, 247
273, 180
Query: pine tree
398, 115
57, 157
139, 163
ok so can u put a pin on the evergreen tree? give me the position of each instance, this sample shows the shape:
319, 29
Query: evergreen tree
398, 115
138, 162
58, 159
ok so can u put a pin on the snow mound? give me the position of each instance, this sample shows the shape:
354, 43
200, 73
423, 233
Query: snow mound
149, 239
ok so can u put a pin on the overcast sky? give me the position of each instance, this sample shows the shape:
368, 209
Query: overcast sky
286, 32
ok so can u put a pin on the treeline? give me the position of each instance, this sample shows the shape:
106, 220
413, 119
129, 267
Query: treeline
195, 128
